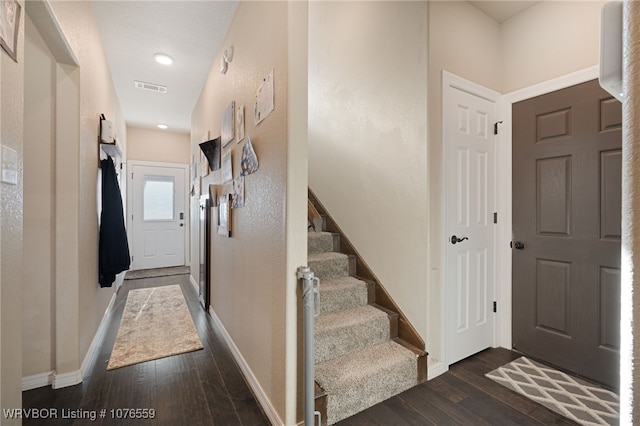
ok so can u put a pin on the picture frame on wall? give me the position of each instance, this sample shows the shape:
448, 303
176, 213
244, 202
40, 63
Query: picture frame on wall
224, 215
9, 26
228, 124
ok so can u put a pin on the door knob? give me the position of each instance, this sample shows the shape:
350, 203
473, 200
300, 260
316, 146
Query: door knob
518, 245
455, 239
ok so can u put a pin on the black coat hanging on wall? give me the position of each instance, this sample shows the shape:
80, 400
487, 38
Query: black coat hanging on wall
114, 247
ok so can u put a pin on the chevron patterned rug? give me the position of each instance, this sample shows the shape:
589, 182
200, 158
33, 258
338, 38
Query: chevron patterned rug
582, 402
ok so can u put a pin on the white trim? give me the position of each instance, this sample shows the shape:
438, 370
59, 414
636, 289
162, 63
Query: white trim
98, 338
187, 202
251, 379
436, 369
58, 381
467, 86
504, 190
37, 380
194, 283
67, 379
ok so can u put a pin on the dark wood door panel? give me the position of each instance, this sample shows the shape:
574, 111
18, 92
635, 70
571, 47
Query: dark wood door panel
566, 211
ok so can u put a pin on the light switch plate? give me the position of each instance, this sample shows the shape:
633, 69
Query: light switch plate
9, 161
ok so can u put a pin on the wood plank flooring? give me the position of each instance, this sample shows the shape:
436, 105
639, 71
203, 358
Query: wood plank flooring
206, 387
198, 388
461, 396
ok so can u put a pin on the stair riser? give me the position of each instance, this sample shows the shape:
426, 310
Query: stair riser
347, 401
337, 342
341, 299
329, 269
320, 243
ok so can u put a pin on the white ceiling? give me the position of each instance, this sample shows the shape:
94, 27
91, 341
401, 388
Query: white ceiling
500, 11
189, 31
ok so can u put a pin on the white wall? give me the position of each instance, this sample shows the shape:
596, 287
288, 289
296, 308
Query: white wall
368, 137
39, 204
550, 39
97, 96
160, 146
253, 284
63, 293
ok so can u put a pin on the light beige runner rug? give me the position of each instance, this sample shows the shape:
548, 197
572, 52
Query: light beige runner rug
156, 323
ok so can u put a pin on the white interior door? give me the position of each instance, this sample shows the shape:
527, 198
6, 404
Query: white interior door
158, 215
468, 135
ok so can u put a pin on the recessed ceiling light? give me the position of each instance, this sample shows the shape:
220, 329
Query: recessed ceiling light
163, 126
163, 59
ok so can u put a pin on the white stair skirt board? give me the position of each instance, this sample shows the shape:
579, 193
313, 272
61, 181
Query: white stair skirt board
251, 379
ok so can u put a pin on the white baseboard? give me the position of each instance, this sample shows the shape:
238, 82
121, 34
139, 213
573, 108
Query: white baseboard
94, 347
67, 379
58, 381
194, 283
37, 380
258, 392
436, 369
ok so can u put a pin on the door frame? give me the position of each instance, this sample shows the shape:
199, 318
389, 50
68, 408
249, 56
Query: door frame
452, 80
504, 188
187, 205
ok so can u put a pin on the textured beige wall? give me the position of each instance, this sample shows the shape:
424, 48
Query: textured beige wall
11, 225
548, 40
83, 303
158, 145
253, 285
464, 41
39, 186
368, 136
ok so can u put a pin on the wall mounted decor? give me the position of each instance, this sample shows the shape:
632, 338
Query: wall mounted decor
228, 126
237, 199
9, 26
264, 99
224, 215
249, 161
240, 123
227, 167
211, 150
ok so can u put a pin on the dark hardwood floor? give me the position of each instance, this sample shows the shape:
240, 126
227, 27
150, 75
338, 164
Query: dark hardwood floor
461, 396
206, 387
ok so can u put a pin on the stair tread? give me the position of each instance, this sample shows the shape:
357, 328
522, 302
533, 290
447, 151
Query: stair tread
357, 365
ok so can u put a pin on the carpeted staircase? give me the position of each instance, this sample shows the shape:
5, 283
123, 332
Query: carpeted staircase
360, 361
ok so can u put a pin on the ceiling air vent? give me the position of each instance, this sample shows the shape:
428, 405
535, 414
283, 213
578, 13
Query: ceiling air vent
150, 86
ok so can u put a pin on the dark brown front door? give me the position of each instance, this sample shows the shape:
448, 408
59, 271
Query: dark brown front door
566, 230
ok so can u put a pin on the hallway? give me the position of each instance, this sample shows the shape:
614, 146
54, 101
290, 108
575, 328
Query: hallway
198, 388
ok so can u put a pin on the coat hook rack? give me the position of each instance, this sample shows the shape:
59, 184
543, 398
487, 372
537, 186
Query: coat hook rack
107, 140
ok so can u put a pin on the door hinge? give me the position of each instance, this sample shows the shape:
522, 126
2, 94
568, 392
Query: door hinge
495, 217
495, 127
131, 175
495, 306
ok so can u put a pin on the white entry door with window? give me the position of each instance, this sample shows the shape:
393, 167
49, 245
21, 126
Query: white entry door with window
157, 215
469, 171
